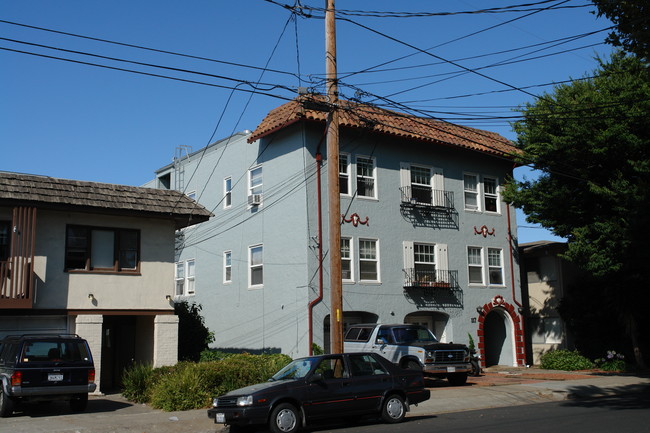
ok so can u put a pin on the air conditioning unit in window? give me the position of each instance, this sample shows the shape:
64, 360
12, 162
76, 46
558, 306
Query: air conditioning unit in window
255, 199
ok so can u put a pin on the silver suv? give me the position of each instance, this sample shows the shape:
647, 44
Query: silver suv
45, 368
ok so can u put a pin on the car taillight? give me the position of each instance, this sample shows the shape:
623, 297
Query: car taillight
17, 378
91, 375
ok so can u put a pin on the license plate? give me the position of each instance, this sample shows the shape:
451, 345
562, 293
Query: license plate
221, 418
451, 369
55, 377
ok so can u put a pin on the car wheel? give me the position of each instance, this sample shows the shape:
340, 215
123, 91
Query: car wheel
79, 402
457, 379
285, 418
413, 365
6, 404
393, 410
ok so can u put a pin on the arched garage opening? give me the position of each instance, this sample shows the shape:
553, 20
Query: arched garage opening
349, 318
500, 333
436, 322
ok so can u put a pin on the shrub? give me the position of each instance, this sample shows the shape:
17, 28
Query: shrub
611, 362
189, 385
565, 360
213, 355
137, 381
193, 335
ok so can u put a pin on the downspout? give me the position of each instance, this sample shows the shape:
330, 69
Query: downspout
319, 163
512, 281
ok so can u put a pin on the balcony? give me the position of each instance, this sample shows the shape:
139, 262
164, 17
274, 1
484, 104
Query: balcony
424, 198
438, 278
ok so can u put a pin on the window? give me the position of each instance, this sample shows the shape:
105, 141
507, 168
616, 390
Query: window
495, 266
346, 259
344, 174
368, 260
255, 186
191, 195
365, 365
5, 240
425, 263
475, 265
471, 191
256, 266
421, 189
365, 177
102, 249
227, 267
185, 277
227, 193
490, 194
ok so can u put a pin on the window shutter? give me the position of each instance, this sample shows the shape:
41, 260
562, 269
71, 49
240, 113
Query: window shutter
438, 187
442, 263
409, 263
405, 182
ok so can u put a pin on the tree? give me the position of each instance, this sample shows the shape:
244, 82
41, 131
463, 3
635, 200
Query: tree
591, 139
193, 335
632, 20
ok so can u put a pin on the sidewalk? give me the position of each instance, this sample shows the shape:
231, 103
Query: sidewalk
497, 387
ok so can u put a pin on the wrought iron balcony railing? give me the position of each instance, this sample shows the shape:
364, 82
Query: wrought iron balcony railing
424, 197
438, 278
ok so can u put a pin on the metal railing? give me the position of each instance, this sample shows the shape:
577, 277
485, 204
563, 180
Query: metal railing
420, 196
440, 278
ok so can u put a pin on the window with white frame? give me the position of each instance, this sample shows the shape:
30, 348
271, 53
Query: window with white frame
495, 266
470, 189
255, 182
346, 259
255, 266
421, 189
424, 256
227, 266
185, 277
227, 192
490, 194
344, 174
366, 177
368, 260
475, 265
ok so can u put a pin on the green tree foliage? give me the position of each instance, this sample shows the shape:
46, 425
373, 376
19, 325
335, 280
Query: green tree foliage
591, 139
632, 20
193, 335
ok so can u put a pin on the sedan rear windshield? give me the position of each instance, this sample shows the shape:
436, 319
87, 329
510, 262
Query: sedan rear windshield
53, 351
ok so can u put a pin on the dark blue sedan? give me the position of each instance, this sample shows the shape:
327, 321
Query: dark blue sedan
321, 387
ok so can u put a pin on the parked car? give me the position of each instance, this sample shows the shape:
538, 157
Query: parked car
45, 368
320, 387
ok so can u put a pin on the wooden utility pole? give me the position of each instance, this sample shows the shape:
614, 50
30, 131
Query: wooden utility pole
334, 199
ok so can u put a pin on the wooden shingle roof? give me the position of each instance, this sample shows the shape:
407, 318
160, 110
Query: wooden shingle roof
18, 189
379, 120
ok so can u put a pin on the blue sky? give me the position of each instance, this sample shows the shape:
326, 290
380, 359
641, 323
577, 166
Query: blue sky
74, 120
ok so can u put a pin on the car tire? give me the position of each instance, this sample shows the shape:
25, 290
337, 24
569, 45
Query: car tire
6, 404
393, 409
457, 379
285, 418
79, 402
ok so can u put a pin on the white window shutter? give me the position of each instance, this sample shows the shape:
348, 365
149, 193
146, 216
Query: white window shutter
409, 263
442, 263
405, 181
438, 185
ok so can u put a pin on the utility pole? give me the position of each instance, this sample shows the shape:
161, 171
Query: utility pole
336, 290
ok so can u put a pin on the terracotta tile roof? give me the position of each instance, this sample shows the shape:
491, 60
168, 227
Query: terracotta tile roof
356, 115
30, 190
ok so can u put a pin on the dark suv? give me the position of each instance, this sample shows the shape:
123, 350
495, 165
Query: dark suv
44, 368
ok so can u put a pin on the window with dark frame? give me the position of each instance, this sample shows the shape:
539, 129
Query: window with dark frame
5, 240
102, 249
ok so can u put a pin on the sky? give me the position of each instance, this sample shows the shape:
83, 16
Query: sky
112, 91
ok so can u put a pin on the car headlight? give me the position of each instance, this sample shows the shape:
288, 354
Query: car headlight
245, 401
215, 402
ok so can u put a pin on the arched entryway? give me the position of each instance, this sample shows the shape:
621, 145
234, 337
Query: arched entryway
500, 332
349, 318
436, 322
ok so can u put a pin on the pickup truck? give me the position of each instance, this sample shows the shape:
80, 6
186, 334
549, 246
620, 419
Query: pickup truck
413, 347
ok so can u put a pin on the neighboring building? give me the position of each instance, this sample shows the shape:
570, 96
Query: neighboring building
544, 279
425, 235
92, 259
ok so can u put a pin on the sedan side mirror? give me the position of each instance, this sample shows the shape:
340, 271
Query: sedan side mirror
316, 377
